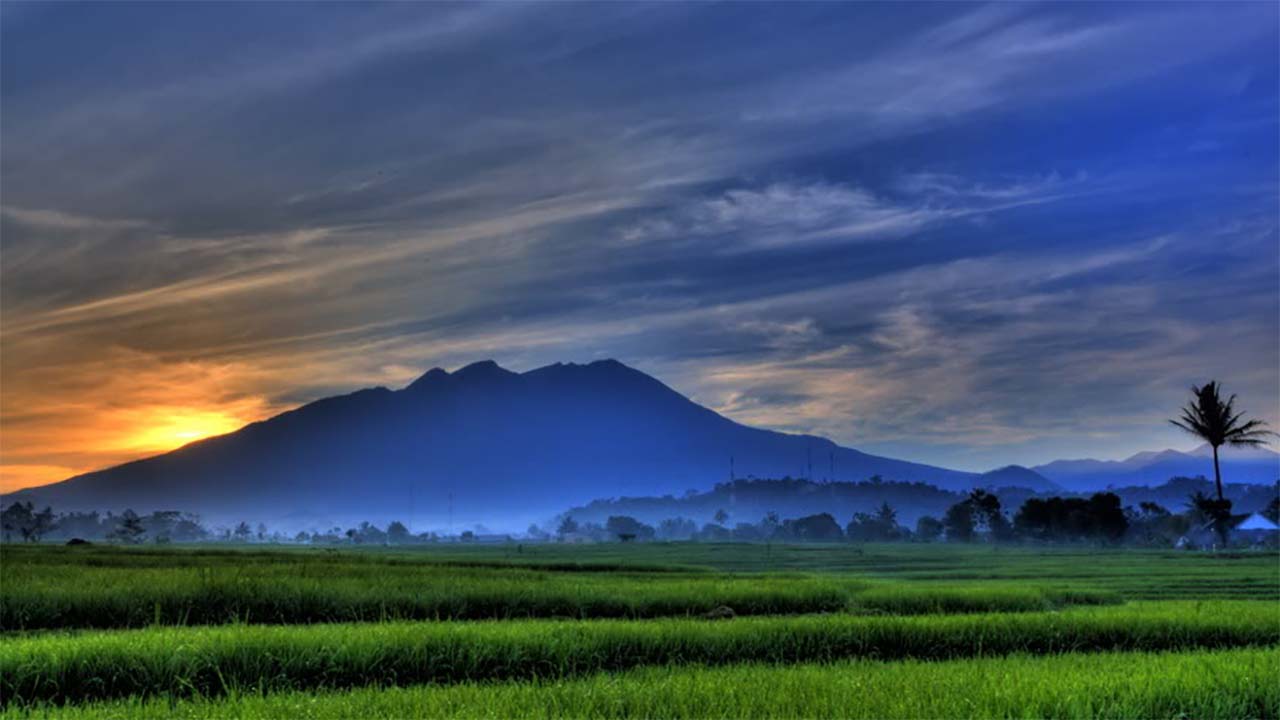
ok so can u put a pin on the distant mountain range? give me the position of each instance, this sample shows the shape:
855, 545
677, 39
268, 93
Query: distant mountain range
479, 445
1239, 465
486, 445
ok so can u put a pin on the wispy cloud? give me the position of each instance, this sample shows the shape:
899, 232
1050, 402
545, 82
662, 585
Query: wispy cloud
58, 220
790, 213
922, 234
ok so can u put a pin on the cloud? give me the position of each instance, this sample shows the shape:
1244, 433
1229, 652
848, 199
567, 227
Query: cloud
921, 234
992, 57
793, 213
65, 221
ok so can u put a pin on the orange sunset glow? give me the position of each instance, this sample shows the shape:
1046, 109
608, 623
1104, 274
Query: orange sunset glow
117, 435
176, 427
123, 407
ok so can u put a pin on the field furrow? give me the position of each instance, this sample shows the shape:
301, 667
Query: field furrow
1224, 684
213, 661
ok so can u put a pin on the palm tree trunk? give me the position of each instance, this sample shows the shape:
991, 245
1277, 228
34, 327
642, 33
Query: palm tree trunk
1217, 473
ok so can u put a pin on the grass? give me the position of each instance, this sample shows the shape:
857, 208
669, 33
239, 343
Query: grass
183, 662
1132, 573
104, 587
1200, 684
933, 599
111, 588
615, 631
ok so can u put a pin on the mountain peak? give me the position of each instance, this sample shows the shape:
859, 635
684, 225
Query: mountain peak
430, 377
482, 369
1018, 476
486, 441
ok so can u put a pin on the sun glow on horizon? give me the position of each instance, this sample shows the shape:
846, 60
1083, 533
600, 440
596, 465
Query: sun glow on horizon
171, 429
131, 408
130, 434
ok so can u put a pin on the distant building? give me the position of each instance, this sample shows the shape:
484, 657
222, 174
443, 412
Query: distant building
1256, 529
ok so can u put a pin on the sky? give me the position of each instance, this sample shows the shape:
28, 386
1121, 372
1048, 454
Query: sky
968, 235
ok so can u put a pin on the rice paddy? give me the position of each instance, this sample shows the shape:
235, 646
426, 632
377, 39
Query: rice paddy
1198, 684
678, 630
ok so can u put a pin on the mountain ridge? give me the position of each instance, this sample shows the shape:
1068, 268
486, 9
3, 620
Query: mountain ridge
466, 446
484, 441
1152, 467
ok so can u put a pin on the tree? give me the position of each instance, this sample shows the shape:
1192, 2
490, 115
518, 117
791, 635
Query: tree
397, 533
1153, 509
18, 518
721, 516
172, 525
42, 522
83, 525
1272, 510
815, 528
1107, 515
959, 522
627, 528
243, 531
1216, 511
370, 533
568, 526
14, 520
677, 528
878, 527
928, 529
1217, 423
21, 518
1099, 518
986, 512
130, 529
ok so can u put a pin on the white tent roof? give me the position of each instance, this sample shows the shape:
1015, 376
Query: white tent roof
1257, 521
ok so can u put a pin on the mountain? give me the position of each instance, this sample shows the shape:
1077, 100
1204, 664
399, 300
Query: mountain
1017, 476
479, 445
1239, 465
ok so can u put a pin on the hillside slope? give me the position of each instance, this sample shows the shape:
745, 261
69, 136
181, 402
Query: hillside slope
479, 445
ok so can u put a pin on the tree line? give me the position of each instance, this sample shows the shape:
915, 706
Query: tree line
979, 517
22, 522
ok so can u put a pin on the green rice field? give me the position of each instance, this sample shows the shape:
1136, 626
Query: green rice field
646, 630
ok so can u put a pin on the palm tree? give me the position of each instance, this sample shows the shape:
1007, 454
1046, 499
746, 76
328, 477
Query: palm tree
1217, 423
